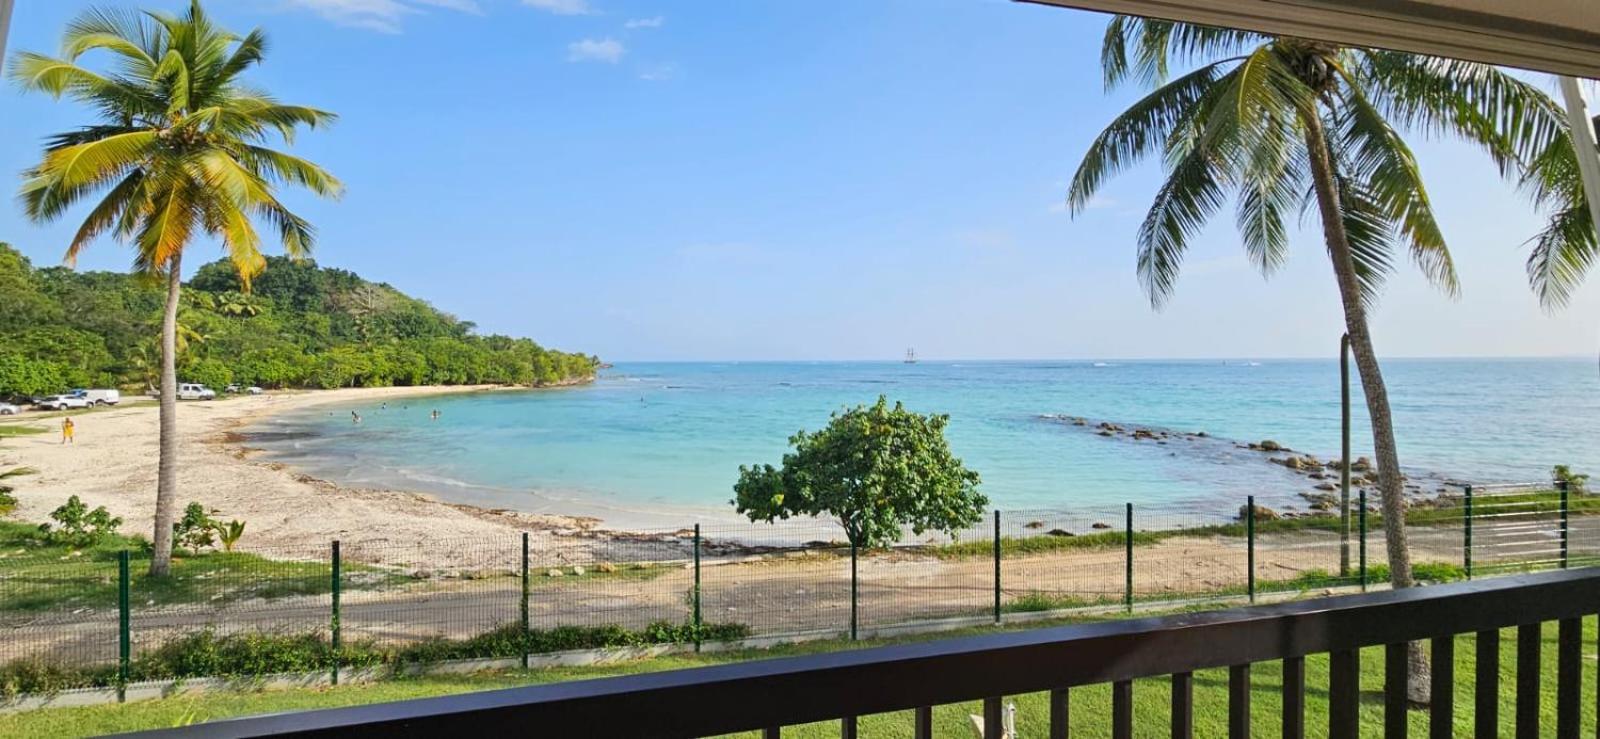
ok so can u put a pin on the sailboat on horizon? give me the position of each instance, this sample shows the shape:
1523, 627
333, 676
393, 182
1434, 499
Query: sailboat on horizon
911, 355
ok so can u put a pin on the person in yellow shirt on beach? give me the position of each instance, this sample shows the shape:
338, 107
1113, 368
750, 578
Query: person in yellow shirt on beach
67, 427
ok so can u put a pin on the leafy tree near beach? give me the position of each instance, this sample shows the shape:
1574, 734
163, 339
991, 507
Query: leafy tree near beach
177, 151
877, 469
1285, 125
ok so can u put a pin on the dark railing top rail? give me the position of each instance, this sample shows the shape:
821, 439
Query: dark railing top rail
797, 690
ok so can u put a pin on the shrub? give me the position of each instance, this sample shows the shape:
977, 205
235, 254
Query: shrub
37, 677
78, 526
195, 530
229, 533
1575, 482
8, 502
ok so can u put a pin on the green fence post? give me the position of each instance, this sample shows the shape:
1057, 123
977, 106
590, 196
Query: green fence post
1466, 532
1250, 545
997, 565
335, 624
124, 626
1563, 487
1127, 575
697, 623
853, 591
527, 632
1363, 535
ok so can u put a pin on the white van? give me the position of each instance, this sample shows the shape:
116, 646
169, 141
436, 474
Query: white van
195, 391
99, 397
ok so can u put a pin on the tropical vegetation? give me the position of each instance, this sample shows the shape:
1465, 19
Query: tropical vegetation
1283, 126
300, 326
877, 469
177, 151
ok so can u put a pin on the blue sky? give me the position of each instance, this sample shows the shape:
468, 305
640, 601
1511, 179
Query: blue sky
770, 180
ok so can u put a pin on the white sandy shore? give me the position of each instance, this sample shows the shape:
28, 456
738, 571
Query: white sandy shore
113, 463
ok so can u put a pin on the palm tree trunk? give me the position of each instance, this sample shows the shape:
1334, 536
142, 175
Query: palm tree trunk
1390, 486
167, 467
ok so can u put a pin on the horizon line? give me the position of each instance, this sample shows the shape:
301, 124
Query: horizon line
926, 360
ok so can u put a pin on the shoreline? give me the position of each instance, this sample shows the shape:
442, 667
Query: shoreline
287, 512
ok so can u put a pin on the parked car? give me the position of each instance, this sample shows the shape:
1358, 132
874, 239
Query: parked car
234, 388
62, 403
253, 390
99, 397
7, 409
195, 391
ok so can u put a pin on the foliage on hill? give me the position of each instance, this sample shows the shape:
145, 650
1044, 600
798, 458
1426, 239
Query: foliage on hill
300, 326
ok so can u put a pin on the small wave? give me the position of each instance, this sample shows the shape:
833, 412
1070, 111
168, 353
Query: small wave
1104, 364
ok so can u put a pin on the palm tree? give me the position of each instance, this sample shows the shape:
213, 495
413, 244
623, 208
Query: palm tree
178, 150
1285, 125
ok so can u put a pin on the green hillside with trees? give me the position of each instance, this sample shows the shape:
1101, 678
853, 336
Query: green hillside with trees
300, 325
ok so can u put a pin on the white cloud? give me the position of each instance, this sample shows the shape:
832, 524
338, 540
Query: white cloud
658, 72
465, 6
384, 16
655, 22
561, 7
608, 50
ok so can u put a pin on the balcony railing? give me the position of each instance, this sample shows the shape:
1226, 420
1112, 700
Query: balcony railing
769, 694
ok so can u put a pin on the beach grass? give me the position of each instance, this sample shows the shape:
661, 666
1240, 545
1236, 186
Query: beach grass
1435, 513
1090, 705
42, 575
20, 428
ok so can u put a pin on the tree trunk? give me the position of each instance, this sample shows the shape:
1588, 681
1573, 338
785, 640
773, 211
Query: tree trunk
167, 467
1390, 486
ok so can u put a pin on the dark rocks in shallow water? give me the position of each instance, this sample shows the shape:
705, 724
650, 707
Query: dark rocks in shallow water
1100, 525
1033, 525
1327, 486
1058, 532
1263, 513
1079, 422
1317, 476
1106, 432
1268, 445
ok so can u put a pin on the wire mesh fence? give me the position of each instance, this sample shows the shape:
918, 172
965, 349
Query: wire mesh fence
93, 616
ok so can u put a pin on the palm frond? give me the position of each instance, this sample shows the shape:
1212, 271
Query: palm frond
1370, 150
1158, 43
1565, 249
276, 166
1510, 119
1371, 236
118, 200
169, 228
1138, 132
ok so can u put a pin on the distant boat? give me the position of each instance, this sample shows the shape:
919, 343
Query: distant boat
911, 356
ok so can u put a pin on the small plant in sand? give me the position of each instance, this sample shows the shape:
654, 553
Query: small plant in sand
77, 526
195, 530
229, 533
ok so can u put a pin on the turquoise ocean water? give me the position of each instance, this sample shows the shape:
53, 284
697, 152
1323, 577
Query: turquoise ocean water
653, 443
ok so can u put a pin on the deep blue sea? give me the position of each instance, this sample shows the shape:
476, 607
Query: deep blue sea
665, 440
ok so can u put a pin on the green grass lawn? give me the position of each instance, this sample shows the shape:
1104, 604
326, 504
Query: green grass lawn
17, 428
1090, 705
39, 575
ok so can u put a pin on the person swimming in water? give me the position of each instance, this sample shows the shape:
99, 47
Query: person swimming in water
355, 417
435, 414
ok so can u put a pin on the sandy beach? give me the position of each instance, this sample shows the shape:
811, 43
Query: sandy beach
113, 463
